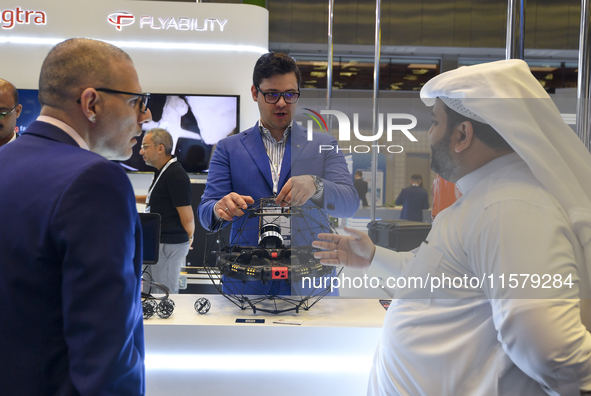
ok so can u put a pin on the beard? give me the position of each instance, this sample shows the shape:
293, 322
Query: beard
442, 162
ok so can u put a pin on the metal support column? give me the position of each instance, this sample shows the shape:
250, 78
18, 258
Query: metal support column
329, 64
515, 29
376, 89
583, 87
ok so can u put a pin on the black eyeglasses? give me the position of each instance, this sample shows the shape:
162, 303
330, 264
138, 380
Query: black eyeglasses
7, 113
273, 97
143, 104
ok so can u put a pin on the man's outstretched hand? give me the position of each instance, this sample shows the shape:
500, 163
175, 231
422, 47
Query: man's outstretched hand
355, 250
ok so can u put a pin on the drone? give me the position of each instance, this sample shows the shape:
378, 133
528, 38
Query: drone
164, 308
279, 273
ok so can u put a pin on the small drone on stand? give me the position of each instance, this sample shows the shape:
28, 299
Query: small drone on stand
164, 308
271, 276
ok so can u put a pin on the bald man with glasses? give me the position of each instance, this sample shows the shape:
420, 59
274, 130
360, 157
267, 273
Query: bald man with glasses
70, 241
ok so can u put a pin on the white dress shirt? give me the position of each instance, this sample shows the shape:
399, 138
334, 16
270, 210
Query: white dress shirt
275, 150
488, 340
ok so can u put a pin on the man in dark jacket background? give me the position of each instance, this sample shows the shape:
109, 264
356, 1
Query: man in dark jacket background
413, 200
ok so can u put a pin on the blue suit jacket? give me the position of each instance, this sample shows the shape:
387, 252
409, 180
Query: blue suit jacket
70, 266
240, 164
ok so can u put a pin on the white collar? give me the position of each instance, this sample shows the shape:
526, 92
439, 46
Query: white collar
66, 128
468, 181
267, 132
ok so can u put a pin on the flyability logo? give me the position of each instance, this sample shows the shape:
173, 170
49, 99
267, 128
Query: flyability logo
122, 19
18, 16
393, 123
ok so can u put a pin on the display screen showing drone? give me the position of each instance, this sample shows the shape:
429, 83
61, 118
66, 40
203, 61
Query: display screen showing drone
263, 264
196, 122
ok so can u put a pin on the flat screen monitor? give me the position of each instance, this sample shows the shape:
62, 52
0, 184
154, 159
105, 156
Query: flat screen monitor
196, 123
150, 236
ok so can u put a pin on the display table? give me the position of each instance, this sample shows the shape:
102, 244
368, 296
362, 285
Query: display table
330, 353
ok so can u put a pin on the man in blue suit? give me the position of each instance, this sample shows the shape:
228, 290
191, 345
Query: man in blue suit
70, 240
275, 158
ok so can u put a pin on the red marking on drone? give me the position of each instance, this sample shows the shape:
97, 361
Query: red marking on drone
278, 272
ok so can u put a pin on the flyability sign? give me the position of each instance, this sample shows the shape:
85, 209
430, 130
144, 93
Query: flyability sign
122, 19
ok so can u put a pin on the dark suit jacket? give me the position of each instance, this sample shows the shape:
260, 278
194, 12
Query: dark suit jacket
361, 187
70, 266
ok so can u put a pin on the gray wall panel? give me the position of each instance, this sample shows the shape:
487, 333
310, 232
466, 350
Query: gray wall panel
430, 23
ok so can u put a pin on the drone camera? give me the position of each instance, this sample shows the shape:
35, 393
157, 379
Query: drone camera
270, 236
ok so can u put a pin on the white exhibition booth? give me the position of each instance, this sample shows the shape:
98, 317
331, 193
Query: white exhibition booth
195, 48
192, 48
